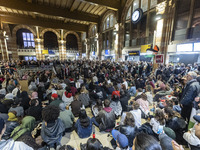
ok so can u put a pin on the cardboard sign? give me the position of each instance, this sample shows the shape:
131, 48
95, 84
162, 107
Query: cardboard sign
159, 59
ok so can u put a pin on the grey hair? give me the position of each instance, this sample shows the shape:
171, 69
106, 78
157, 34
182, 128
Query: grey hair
193, 74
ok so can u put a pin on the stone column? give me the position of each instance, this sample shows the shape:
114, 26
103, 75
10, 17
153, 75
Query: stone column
87, 41
100, 45
38, 49
62, 50
3, 46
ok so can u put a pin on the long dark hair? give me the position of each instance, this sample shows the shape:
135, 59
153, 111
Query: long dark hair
146, 142
84, 120
94, 144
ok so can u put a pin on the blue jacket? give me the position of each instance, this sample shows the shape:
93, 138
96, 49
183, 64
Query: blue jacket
190, 92
82, 131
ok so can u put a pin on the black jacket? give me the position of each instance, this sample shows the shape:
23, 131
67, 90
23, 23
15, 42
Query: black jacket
178, 125
190, 92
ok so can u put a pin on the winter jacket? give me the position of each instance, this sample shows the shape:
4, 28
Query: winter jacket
106, 119
177, 125
18, 109
10, 126
190, 92
84, 99
12, 145
52, 133
83, 132
124, 102
67, 99
76, 107
191, 138
165, 142
117, 107
35, 111
67, 117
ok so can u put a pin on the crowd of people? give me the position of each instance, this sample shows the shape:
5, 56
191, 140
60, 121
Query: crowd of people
158, 108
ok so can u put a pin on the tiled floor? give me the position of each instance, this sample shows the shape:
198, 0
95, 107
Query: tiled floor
73, 140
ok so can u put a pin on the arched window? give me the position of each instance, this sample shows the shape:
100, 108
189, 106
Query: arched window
93, 31
25, 39
71, 42
93, 39
108, 34
109, 22
50, 41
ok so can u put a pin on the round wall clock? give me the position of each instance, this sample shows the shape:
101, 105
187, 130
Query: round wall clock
137, 15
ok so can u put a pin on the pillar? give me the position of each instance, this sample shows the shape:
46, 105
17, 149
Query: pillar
38, 49
100, 46
87, 42
159, 30
62, 50
3, 46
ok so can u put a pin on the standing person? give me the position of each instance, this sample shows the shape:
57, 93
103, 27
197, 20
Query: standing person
189, 93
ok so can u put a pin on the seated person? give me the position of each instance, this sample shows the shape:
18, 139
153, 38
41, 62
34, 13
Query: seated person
136, 112
106, 117
129, 129
83, 125
67, 117
16, 107
144, 141
26, 127
96, 108
10, 144
11, 124
52, 127
116, 105
55, 100
193, 135
35, 110
121, 140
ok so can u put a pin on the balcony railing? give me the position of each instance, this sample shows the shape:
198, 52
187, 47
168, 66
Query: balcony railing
26, 50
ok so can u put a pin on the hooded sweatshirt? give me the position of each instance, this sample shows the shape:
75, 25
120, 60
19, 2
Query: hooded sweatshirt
52, 133
27, 125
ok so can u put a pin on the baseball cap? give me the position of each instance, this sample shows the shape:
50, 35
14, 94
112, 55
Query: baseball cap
54, 95
120, 138
2, 123
197, 118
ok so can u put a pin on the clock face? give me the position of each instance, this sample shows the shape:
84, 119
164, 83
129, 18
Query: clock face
137, 15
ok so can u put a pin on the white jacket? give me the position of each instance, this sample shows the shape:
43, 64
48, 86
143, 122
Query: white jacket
12, 145
191, 138
67, 100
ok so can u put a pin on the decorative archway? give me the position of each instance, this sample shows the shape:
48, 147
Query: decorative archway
125, 10
16, 28
72, 32
78, 39
49, 29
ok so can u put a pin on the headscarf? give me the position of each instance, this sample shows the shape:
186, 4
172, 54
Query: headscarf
12, 117
27, 125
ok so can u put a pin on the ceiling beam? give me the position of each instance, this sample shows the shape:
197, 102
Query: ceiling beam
112, 4
12, 19
42, 9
